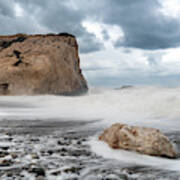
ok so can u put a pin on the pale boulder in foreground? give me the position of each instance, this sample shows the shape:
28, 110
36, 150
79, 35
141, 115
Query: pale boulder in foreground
148, 141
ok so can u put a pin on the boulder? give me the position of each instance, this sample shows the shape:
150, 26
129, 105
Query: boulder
144, 140
40, 64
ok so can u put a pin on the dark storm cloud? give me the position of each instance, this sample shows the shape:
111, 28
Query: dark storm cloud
143, 25
6, 8
9, 24
51, 16
55, 15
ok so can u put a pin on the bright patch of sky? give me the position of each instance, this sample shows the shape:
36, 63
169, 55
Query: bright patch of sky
170, 8
107, 34
19, 12
122, 62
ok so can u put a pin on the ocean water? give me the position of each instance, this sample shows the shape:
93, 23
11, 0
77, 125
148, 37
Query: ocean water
148, 106
157, 107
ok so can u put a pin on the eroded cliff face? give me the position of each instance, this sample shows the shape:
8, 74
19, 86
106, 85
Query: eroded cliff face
40, 64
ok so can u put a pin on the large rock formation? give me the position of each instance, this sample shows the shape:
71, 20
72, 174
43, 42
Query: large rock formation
40, 64
140, 139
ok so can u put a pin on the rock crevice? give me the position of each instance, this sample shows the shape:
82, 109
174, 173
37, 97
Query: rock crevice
5, 44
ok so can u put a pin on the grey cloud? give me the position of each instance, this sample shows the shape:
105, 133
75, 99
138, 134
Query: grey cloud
140, 21
127, 50
89, 43
152, 60
144, 27
105, 35
9, 24
51, 16
155, 61
6, 8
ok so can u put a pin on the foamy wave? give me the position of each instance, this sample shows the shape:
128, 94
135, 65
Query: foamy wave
148, 106
129, 157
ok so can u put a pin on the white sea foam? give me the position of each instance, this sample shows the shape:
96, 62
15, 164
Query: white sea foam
128, 157
3, 114
146, 106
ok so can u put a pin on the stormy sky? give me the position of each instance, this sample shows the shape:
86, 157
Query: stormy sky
121, 41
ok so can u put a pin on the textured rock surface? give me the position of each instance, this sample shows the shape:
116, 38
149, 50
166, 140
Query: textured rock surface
143, 140
40, 64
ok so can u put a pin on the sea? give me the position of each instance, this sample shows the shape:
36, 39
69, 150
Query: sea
99, 108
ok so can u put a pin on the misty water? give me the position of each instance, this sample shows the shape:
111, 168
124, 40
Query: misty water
87, 116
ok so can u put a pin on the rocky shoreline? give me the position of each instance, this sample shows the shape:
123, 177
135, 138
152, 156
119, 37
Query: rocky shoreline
54, 149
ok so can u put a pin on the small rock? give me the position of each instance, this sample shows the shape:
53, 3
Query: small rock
50, 152
8, 133
34, 156
5, 148
63, 150
42, 151
79, 142
9, 174
34, 140
38, 171
79, 152
14, 156
63, 143
5, 162
10, 139
3, 154
56, 173
73, 170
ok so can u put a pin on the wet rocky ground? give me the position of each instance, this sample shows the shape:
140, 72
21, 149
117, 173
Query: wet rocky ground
58, 150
